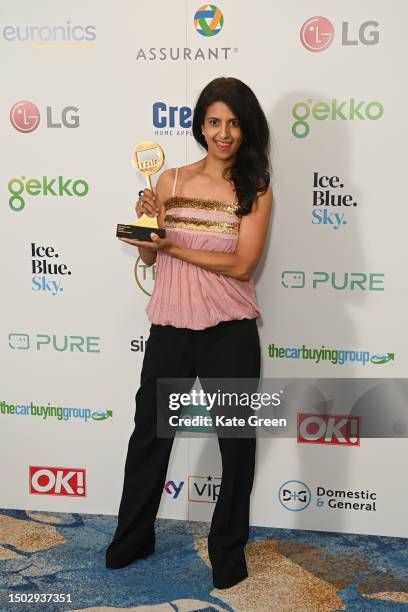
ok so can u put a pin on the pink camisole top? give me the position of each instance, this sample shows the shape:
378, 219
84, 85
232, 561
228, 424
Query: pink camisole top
186, 295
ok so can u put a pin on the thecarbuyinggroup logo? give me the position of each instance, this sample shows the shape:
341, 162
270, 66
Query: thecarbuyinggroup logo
208, 21
352, 109
45, 187
66, 35
51, 411
329, 355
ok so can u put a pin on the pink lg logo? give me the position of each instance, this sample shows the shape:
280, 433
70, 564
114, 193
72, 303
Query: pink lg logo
317, 34
25, 116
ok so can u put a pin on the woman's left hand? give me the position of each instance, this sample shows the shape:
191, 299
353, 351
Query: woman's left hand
157, 243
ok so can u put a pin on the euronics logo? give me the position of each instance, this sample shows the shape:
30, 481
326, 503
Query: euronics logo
333, 356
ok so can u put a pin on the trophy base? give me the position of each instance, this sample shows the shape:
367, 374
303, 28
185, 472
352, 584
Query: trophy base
138, 232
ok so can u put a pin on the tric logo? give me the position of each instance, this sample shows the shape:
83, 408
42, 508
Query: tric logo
208, 20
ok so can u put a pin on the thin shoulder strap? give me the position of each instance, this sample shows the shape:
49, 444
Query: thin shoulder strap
174, 184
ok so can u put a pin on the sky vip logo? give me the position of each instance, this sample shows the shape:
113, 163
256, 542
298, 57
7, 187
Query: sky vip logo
345, 110
208, 21
54, 187
326, 196
42, 264
328, 429
64, 482
145, 276
172, 489
203, 489
317, 34
25, 117
340, 281
172, 120
62, 344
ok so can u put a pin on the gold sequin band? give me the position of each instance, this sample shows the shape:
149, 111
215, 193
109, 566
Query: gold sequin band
206, 225
202, 204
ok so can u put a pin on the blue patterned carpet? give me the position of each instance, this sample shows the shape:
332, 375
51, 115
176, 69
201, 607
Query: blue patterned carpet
42, 552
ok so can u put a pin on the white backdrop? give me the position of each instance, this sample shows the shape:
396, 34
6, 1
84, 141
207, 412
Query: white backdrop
82, 84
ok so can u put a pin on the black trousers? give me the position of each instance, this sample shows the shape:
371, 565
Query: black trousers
227, 350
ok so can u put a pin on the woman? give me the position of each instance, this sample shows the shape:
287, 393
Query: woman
203, 313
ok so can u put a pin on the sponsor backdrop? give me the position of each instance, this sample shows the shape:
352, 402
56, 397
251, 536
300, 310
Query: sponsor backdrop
82, 84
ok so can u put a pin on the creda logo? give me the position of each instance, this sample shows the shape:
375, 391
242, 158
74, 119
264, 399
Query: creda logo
208, 20
45, 187
346, 110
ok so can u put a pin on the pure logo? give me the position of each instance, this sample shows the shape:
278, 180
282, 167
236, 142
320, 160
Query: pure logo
346, 110
82, 344
54, 187
350, 281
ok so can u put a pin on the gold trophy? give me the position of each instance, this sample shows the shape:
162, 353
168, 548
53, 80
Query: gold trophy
148, 158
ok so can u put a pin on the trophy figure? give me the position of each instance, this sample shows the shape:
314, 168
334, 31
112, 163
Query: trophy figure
148, 158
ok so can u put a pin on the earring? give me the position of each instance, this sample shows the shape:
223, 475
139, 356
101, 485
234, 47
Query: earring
203, 133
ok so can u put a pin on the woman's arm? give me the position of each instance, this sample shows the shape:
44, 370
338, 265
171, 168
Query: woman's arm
153, 202
242, 263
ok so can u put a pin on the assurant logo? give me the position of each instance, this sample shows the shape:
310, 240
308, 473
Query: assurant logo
208, 20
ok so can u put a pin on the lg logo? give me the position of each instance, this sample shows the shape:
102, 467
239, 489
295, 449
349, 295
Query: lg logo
25, 117
317, 34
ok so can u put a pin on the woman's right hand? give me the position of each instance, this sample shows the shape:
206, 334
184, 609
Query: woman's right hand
147, 204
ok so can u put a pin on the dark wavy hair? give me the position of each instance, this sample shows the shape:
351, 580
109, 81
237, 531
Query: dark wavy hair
251, 171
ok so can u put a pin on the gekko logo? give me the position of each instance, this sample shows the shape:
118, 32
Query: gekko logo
203, 489
340, 281
54, 187
51, 36
25, 117
294, 495
45, 270
208, 20
38, 342
145, 276
346, 110
317, 34
171, 120
326, 197
335, 429
333, 356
